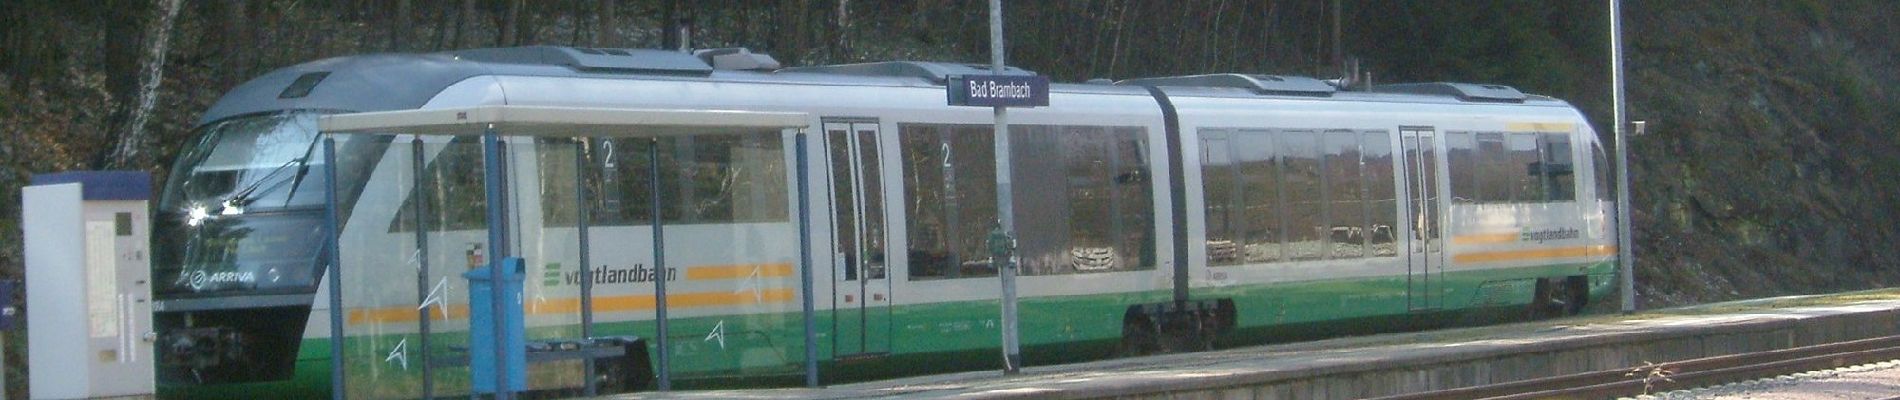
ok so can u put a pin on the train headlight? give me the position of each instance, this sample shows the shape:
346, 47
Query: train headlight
231, 207
196, 215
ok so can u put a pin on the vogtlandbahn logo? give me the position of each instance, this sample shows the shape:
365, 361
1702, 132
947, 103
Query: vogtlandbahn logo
554, 276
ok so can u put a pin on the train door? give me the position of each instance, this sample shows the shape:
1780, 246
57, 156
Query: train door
861, 286
1425, 267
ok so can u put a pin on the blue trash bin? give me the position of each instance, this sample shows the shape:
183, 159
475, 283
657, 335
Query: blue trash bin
481, 331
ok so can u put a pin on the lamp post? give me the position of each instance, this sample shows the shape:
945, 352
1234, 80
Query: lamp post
1624, 254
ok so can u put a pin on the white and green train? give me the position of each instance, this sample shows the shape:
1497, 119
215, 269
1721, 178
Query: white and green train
1158, 214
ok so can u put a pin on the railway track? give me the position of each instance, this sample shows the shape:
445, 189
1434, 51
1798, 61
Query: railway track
1684, 374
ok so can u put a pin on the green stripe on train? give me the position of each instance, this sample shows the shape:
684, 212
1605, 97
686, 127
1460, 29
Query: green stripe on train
750, 350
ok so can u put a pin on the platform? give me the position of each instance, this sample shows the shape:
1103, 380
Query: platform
1379, 365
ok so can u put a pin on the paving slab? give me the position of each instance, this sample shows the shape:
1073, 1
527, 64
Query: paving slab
1377, 365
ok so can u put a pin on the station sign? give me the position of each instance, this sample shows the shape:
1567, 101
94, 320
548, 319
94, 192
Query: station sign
997, 90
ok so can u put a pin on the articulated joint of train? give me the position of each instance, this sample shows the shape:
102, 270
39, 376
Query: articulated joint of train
1175, 326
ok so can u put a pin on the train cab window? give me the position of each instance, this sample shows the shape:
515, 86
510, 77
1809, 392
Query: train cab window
1557, 168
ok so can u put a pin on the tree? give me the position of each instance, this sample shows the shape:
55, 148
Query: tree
158, 33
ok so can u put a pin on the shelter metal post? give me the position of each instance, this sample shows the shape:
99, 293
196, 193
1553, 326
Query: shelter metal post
587, 277
334, 233
495, 179
659, 264
417, 167
804, 260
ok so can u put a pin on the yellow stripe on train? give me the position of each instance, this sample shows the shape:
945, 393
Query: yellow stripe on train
1534, 254
636, 302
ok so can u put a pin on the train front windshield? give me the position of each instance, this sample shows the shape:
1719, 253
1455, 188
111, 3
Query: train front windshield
243, 210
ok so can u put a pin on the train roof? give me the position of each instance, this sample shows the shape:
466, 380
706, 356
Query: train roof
383, 82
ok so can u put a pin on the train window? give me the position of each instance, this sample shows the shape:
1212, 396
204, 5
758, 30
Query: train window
1526, 183
1099, 217
1461, 159
1381, 193
1260, 211
1303, 190
1344, 196
1092, 210
1495, 175
1220, 191
711, 178
1604, 176
1557, 168
951, 199
1298, 195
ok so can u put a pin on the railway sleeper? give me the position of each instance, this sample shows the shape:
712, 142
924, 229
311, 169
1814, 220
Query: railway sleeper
1171, 327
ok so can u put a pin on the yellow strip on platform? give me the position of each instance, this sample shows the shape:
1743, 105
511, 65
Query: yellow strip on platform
739, 271
637, 302
1519, 255
1485, 238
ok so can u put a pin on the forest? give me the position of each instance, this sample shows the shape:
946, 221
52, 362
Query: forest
1766, 168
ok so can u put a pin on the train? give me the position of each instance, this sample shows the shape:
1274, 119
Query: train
1152, 215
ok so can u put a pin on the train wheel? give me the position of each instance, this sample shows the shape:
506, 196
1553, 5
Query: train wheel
1138, 337
1577, 291
1546, 300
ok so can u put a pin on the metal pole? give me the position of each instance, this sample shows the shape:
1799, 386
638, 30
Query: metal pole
587, 278
416, 166
804, 261
1005, 218
659, 264
1625, 256
493, 179
334, 231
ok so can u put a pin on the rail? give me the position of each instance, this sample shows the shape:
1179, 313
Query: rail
1684, 374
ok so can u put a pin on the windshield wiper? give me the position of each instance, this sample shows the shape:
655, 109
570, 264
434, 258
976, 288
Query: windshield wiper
244, 197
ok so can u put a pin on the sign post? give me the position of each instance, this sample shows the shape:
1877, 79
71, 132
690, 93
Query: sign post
1001, 91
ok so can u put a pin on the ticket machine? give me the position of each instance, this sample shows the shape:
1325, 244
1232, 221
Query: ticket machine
88, 273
